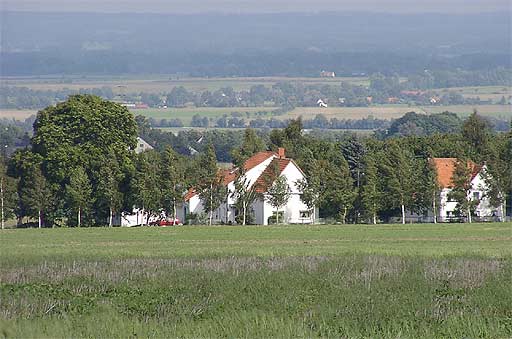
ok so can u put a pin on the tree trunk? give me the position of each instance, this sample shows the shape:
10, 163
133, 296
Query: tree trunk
344, 216
434, 211
110, 218
403, 214
174, 209
39, 218
211, 206
277, 216
504, 210
244, 213
469, 215
375, 218
78, 216
2, 200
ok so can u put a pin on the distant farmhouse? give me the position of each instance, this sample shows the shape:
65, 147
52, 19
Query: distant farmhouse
446, 210
327, 74
142, 146
261, 170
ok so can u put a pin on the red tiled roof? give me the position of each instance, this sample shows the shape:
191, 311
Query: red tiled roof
257, 159
229, 175
274, 169
445, 168
190, 193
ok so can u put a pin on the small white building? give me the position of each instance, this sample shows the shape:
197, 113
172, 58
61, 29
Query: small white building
260, 170
142, 146
445, 167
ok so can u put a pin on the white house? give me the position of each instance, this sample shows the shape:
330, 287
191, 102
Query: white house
445, 168
259, 171
142, 146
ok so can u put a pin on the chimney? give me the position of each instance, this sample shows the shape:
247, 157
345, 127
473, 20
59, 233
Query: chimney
281, 153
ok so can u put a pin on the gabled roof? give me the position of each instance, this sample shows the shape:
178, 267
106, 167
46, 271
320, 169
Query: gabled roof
445, 168
257, 159
269, 175
229, 175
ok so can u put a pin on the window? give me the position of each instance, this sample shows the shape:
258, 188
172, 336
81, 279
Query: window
476, 195
305, 214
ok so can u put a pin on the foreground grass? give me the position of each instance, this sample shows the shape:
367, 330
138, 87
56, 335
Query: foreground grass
36, 245
387, 281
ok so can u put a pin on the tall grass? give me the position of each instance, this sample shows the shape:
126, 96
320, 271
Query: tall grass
351, 296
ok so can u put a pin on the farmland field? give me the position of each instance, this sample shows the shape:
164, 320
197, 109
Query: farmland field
387, 281
159, 84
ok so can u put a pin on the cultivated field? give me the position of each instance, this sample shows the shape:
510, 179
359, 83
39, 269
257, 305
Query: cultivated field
380, 112
161, 84
386, 281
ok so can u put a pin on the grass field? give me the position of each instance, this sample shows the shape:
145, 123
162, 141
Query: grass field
494, 93
386, 281
161, 84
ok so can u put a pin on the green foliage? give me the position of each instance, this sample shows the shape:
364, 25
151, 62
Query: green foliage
424, 124
148, 189
371, 190
79, 193
461, 189
278, 194
172, 180
210, 184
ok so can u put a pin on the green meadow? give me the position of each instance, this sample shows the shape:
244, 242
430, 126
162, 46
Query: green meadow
341, 281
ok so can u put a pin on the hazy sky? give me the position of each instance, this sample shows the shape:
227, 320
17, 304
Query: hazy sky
244, 6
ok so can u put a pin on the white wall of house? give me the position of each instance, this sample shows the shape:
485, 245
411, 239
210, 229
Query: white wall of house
293, 211
478, 191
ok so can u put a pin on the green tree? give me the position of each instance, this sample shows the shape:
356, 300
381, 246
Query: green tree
251, 145
147, 182
173, 181
340, 189
371, 192
244, 194
210, 184
398, 168
79, 193
477, 133
8, 194
36, 195
109, 194
278, 194
461, 190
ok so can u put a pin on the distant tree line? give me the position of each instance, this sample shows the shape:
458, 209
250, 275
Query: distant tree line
418, 89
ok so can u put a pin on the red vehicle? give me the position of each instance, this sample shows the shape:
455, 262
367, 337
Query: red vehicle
167, 222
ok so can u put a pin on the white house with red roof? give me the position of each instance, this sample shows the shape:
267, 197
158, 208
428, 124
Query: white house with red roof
445, 167
260, 172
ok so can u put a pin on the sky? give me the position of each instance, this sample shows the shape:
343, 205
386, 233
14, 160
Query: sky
259, 6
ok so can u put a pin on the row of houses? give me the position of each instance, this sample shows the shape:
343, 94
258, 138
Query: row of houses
261, 170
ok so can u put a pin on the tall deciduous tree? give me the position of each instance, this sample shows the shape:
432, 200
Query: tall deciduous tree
371, 193
172, 180
210, 184
109, 194
79, 193
340, 189
251, 145
36, 194
460, 192
147, 184
278, 194
8, 194
244, 194
477, 132
398, 167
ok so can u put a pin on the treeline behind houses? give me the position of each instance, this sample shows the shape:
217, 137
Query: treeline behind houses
78, 168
